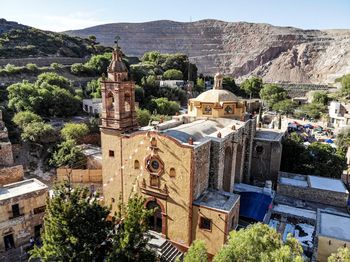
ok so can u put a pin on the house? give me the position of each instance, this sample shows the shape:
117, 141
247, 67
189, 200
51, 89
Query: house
339, 114
92, 106
333, 232
185, 167
22, 206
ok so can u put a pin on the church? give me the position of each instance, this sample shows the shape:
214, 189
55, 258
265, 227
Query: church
186, 168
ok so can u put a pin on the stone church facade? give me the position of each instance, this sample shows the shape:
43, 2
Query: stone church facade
185, 168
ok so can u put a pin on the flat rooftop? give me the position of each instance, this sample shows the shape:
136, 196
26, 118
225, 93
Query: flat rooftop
268, 135
241, 187
294, 211
21, 188
91, 150
330, 184
333, 224
317, 182
219, 200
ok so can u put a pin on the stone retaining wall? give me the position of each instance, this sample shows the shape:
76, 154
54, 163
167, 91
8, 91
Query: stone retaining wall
313, 194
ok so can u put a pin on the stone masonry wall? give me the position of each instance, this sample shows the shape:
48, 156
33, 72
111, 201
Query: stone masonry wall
11, 174
201, 172
313, 194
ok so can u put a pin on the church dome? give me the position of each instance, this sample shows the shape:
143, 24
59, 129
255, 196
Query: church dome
216, 96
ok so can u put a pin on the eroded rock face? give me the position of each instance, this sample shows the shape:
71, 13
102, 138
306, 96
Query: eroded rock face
282, 54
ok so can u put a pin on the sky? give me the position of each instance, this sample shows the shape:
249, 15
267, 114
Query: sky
61, 15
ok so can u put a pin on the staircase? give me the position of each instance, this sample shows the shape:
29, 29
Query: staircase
165, 250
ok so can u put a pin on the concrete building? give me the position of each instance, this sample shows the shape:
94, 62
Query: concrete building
92, 106
185, 167
323, 190
333, 232
22, 206
339, 114
172, 83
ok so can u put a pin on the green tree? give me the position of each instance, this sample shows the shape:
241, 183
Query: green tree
320, 97
74, 131
317, 159
38, 132
21, 119
68, 154
200, 85
197, 252
93, 42
343, 139
130, 242
285, 107
143, 117
75, 227
93, 88
342, 255
252, 86
53, 79
345, 84
173, 74
228, 83
312, 110
165, 107
259, 242
272, 94
99, 63
23, 96
151, 56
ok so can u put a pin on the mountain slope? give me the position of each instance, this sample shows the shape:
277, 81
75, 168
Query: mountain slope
282, 54
18, 41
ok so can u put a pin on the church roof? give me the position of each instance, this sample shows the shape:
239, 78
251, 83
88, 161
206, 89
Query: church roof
216, 96
117, 64
200, 129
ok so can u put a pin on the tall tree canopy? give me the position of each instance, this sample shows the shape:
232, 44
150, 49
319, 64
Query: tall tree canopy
252, 86
272, 94
75, 227
259, 242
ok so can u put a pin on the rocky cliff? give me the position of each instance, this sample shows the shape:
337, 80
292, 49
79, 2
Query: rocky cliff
278, 54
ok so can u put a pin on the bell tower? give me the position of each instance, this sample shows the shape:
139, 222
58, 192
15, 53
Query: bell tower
118, 96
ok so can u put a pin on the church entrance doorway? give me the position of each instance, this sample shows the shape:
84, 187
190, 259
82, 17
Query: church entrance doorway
155, 221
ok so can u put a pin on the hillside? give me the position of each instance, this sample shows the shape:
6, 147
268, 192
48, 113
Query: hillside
18, 41
282, 54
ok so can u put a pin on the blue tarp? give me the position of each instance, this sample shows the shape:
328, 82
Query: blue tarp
254, 205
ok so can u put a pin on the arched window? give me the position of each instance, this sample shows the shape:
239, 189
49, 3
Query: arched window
136, 164
127, 102
207, 110
172, 172
110, 101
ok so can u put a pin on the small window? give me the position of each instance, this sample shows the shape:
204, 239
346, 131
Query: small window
207, 110
259, 149
233, 223
154, 180
136, 164
15, 211
111, 153
172, 172
113, 200
228, 110
205, 223
39, 210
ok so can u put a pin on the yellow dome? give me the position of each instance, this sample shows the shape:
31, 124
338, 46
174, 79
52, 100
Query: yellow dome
216, 96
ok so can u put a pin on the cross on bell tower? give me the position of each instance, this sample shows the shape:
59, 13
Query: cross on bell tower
118, 96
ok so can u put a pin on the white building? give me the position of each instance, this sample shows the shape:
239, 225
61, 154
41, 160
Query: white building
92, 106
339, 114
172, 83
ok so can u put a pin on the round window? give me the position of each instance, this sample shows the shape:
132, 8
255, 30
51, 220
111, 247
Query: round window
155, 165
259, 149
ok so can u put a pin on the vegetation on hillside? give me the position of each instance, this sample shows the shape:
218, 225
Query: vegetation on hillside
32, 42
